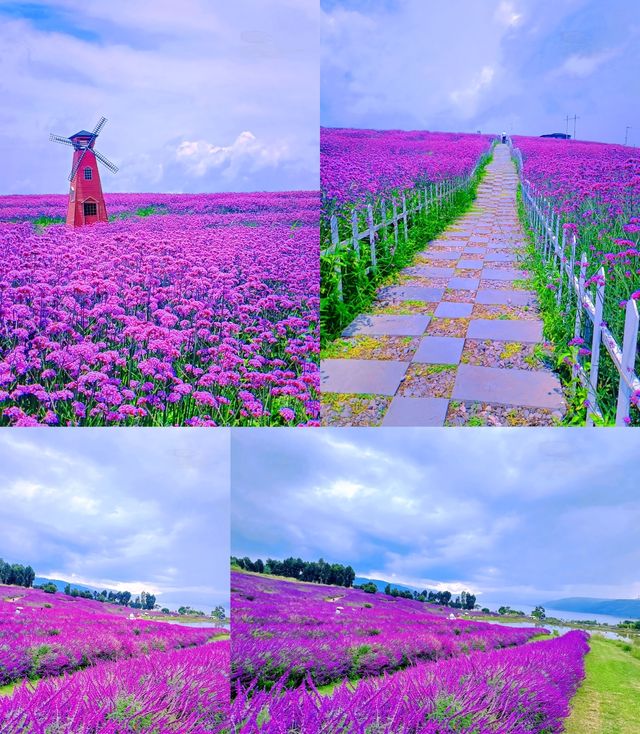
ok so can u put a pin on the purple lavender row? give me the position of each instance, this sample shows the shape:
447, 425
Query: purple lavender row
295, 205
523, 690
68, 634
178, 692
164, 320
326, 633
359, 164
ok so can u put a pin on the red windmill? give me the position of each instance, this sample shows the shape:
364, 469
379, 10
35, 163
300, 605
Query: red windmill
86, 200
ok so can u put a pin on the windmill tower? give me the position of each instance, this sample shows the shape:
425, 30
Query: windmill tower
86, 200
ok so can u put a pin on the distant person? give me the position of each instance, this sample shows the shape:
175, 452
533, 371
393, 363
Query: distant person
504, 137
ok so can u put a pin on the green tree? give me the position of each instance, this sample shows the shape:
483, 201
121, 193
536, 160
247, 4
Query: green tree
219, 613
539, 613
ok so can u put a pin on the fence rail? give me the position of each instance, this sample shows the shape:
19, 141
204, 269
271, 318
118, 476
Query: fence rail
554, 244
388, 213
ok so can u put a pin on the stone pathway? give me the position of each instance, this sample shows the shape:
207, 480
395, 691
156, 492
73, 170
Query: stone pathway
458, 339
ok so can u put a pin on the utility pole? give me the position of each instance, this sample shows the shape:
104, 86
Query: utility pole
566, 128
574, 118
626, 133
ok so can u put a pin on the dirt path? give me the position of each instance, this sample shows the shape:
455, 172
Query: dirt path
457, 340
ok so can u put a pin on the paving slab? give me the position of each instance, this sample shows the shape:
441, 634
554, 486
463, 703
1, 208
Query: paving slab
412, 293
388, 325
526, 388
376, 376
503, 274
506, 330
428, 271
416, 412
442, 255
498, 297
439, 350
470, 264
475, 250
463, 284
500, 257
453, 310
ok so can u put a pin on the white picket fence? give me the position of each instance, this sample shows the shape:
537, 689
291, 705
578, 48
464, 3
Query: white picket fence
552, 242
384, 214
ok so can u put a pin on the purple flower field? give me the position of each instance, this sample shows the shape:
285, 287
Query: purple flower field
595, 188
84, 667
48, 634
177, 692
287, 631
358, 164
204, 312
520, 690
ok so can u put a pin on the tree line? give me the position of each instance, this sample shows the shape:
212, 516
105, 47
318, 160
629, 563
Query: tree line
465, 600
16, 574
335, 574
319, 572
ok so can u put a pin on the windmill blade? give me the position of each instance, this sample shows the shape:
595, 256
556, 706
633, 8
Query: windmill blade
60, 139
111, 166
74, 170
97, 129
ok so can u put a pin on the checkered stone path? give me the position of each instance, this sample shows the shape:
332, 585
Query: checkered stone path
458, 340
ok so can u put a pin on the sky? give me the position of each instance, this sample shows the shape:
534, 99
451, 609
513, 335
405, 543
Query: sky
514, 516
518, 66
199, 96
124, 509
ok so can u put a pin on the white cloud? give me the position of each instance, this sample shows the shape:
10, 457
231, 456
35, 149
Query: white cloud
583, 65
506, 14
246, 152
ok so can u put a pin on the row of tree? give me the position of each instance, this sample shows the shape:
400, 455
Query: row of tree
319, 572
144, 600
16, 574
465, 600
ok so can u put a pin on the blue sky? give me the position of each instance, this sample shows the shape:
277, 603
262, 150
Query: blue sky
490, 65
523, 515
135, 509
200, 96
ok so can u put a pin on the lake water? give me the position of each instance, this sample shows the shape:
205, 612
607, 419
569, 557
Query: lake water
207, 625
561, 629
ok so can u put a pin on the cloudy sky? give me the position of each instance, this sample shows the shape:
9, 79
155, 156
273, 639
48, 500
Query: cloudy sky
200, 96
134, 509
523, 515
465, 65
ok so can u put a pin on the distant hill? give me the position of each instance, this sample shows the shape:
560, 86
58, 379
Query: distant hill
627, 608
39, 580
380, 585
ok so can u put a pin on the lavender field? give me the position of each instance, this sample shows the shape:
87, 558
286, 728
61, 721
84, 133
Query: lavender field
394, 665
193, 310
80, 666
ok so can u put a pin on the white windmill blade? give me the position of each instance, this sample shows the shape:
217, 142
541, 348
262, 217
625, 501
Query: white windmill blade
111, 166
74, 170
59, 139
98, 128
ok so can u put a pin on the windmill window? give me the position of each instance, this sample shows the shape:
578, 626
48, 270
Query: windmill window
88, 174
90, 209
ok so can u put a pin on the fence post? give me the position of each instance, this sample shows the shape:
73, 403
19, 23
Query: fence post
592, 392
372, 236
581, 278
395, 222
561, 268
404, 217
354, 231
383, 213
335, 242
629, 348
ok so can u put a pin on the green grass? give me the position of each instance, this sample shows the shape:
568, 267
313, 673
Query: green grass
608, 702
